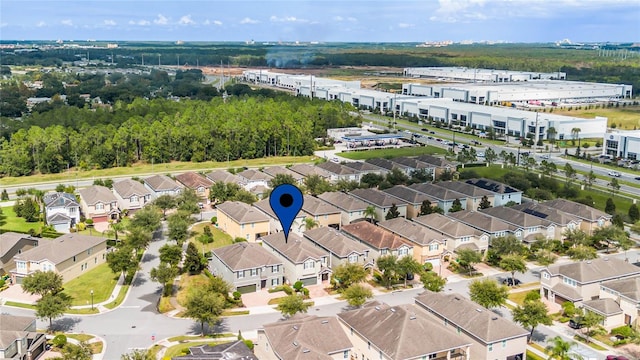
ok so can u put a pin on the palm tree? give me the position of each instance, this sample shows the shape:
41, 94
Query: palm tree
310, 223
558, 349
575, 133
370, 213
551, 135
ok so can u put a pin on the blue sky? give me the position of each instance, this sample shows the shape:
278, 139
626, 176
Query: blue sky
322, 20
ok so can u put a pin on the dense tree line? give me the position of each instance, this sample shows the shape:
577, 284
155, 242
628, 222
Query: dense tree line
161, 131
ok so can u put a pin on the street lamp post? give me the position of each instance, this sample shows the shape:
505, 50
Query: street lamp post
91, 299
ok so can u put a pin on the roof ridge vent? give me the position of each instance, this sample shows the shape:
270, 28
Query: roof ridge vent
377, 308
479, 310
295, 343
325, 321
306, 351
412, 317
393, 309
295, 327
605, 259
494, 318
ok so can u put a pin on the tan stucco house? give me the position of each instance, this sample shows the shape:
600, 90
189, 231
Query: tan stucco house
242, 220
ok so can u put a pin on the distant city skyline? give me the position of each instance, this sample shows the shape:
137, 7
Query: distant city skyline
322, 20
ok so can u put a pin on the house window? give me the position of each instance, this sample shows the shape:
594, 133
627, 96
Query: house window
274, 268
432, 356
254, 272
275, 282
240, 274
74, 259
309, 264
72, 210
569, 281
380, 352
134, 198
403, 252
89, 251
546, 276
99, 206
383, 252
345, 354
490, 347
433, 247
253, 225
369, 345
353, 258
465, 239
242, 226
504, 343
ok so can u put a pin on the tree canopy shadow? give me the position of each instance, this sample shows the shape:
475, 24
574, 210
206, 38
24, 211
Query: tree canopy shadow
65, 324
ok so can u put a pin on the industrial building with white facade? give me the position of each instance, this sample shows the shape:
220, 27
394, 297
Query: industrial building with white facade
622, 144
455, 103
480, 75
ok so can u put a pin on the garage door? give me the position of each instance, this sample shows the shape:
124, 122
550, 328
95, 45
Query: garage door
560, 300
247, 289
309, 281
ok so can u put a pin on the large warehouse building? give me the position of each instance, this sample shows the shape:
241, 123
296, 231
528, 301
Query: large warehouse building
538, 90
480, 75
622, 144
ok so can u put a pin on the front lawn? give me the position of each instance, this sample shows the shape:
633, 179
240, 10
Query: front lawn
18, 224
220, 238
188, 282
391, 153
178, 350
99, 279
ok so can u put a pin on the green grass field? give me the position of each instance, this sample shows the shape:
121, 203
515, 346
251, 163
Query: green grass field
220, 238
15, 223
99, 279
177, 350
627, 118
391, 153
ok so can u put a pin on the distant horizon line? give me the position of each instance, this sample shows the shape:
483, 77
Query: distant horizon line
275, 42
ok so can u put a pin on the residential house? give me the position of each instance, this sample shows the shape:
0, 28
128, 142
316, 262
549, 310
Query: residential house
339, 172
416, 165
274, 224
492, 336
502, 193
389, 165
341, 248
580, 281
241, 220
223, 176
322, 212
474, 194
487, 224
442, 165
307, 170
19, 338
428, 245
281, 170
69, 255
196, 182
351, 208
461, 236
592, 219
235, 350
62, 210
99, 204
302, 261
382, 201
609, 309
247, 267
303, 337
364, 168
561, 220
381, 242
412, 198
160, 185
12, 244
251, 178
445, 197
382, 332
625, 294
532, 227
132, 195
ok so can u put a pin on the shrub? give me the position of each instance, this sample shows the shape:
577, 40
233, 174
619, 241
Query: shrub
214, 220
427, 266
305, 292
59, 341
236, 295
298, 286
249, 344
532, 295
624, 331
2, 281
239, 239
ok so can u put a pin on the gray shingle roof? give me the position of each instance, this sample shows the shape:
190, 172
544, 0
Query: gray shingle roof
13, 327
606, 307
447, 226
567, 292
412, 163
483, 324
236, 350
97, 194
296, 250
161, 183
223, 176
387, 164
517, 218
193, 180
482, 221
365, 167
438, 192
127, 188
410, 196
337, 169
315, 206
375, 236
412, 231
9, 239
242, 213
334, 241
307, 337
58, 218
244, 255
401, 332
343, 201
307, 170
377, 197
62, 248
436, 160
59, 199
546, 212
600, 269
464, 188
493, 186
275, 170
254, 175
629, 288
580, 210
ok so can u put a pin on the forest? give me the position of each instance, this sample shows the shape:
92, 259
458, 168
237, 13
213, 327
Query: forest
160, 130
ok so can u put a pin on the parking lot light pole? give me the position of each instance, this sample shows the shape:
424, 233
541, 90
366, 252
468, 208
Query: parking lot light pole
91, 299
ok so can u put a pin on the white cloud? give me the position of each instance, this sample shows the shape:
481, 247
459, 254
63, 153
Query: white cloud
67, 22
352, 19
248, 21
217, 22
3, 24
110, 23
139, 22
338, 18
405, 25
186, 20
287, 19
161, 20
41, 24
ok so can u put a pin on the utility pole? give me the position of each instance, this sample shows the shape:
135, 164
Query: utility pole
142, 59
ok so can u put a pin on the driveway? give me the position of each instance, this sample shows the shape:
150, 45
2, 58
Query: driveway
15, 293
262, 297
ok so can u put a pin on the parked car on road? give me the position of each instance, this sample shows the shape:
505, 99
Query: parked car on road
510, 282
576, 323
614, 173
616, 357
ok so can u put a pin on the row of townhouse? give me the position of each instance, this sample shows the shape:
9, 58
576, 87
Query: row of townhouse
436, 326
69, 255
607, 286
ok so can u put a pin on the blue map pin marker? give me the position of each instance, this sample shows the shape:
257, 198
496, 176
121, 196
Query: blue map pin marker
286, 201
